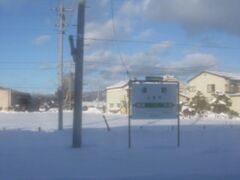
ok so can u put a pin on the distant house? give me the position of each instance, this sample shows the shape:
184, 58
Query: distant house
209, 82
12, 99
117, 98
183, 97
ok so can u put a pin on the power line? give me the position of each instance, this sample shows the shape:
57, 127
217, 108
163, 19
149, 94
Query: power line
33, 87
101, 63
157, 42
31, 69
183, 69
25, 62
114, 35
72, 12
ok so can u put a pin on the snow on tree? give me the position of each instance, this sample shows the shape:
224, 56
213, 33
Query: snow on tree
221, 103
68, 89
199, 103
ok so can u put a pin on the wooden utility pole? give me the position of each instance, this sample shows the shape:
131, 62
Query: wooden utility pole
78, 54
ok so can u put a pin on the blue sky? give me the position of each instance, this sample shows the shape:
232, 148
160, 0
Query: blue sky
168, 37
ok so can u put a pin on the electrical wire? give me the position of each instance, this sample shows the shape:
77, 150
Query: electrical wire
115, 35
209, 46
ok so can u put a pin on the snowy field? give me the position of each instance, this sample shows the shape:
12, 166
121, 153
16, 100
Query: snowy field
32, 148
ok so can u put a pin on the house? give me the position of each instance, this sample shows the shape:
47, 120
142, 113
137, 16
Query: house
117, 98
12, 99
183, 97
209, 82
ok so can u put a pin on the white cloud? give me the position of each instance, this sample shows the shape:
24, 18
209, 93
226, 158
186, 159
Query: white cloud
99, 30
105, 66
123, 21
145, 34
105, 30
196, 15
197, 60
100, 60
131, 9
142, 64
192, 63
161, 48
109, 67
43, 39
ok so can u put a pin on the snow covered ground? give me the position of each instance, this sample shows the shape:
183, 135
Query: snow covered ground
32, 148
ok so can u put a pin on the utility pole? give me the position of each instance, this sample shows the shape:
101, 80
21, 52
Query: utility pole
60, 67
61, 13
78, 54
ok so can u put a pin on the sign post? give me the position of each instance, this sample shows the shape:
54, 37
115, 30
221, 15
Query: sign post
153, 100
178, 117
129, 113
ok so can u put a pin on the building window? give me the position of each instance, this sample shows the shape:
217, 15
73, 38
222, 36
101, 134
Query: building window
234, 88
144, 90
163, 90
211, 88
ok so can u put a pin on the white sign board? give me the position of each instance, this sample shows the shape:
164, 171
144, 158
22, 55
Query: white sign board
154, 100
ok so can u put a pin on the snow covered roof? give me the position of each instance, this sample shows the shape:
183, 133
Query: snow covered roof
120, 84
184, 94
12, 90
227, 75
2, 88
232, 76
